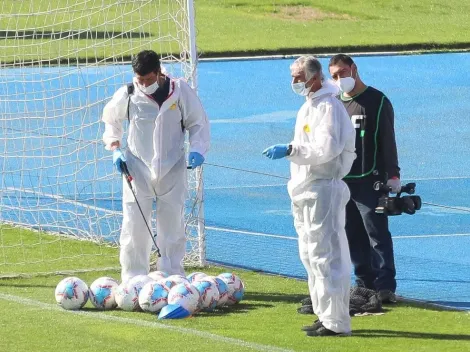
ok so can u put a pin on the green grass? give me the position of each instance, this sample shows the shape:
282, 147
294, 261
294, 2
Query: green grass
30, 321
246, 25
236, 27
24, 252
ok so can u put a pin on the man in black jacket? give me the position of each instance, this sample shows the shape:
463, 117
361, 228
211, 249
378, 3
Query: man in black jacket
369, 238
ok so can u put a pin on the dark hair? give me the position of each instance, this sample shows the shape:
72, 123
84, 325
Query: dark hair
345, 59
145, 62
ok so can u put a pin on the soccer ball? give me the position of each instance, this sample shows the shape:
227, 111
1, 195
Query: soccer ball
102, 293
195, 276
223, 290
71, 293
209, 294
153, 297
177, 279
236, 288
157, 275
184, 295
127, 297
139, 281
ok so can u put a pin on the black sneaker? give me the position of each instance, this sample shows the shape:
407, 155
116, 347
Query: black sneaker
306, 301
322, 331
305, 310
387, 296
316, 324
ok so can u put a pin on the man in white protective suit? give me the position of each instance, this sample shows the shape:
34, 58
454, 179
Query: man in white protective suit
321, 154
159, 110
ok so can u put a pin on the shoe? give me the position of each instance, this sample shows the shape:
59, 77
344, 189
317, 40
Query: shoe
305, 310
306, 301
387, 296
316, 324
322, 331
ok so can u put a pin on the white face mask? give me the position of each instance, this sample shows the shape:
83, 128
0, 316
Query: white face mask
149, 89
300, 88
346, 84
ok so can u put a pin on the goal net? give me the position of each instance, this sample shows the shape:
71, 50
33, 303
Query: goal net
60, 62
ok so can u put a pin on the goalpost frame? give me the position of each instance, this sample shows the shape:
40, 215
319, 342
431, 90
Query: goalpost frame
199, 172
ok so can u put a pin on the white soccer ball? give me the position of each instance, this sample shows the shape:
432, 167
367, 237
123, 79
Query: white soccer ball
223, 290
157, 275
102, 292
153, 297
71, 293
177, 279
236, 288
139, 281
184, 295
127, 297
195, 276
168, 283
209, 294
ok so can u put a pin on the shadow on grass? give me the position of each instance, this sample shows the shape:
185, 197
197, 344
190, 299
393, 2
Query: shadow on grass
366, 333
241, 308
274, 297
25, 285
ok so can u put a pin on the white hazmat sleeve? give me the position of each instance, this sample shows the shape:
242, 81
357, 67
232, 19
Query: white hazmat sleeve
114, 113
195, 120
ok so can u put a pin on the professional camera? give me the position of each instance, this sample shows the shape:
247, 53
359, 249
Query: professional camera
397, 205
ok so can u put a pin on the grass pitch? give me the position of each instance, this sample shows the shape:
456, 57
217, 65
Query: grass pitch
266, 320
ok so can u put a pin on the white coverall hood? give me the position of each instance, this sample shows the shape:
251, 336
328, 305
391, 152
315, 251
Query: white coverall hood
324, 141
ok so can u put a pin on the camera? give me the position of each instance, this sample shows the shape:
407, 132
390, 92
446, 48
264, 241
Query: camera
397, 205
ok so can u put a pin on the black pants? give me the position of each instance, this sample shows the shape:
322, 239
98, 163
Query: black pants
370, 241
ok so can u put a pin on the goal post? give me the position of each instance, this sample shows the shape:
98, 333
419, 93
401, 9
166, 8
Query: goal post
60, 63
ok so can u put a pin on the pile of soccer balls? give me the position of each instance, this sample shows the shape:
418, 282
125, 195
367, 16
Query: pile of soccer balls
173, 296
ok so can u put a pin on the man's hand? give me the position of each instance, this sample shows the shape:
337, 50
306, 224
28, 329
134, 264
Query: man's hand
118, 157
195, 159
395, 184
276, 151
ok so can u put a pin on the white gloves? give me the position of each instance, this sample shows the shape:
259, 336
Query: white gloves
394, 184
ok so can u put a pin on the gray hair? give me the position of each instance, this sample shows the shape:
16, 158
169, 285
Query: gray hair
309, 65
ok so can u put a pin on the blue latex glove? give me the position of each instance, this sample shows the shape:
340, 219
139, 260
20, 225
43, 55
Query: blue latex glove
118, 157
276, 151
195, 159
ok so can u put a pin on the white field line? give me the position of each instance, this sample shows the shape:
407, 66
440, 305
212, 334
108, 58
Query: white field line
295, 238
65, 200
219, 228
328, 55
137, 322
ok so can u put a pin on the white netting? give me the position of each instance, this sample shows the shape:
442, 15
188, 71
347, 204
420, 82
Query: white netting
60, 62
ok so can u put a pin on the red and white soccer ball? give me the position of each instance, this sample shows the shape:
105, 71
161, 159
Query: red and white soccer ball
127, 294
153, 296
157, 275
209, 293
177, 279
71, 293
102, 293
222, 288
139, 281
127, 297
186, 296
236, 288
195, 276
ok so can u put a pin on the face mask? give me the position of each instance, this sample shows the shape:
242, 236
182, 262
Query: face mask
300, 89
346, 84
149, 89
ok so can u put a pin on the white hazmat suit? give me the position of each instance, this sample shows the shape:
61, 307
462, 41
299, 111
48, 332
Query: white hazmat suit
322, 154
156, 160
